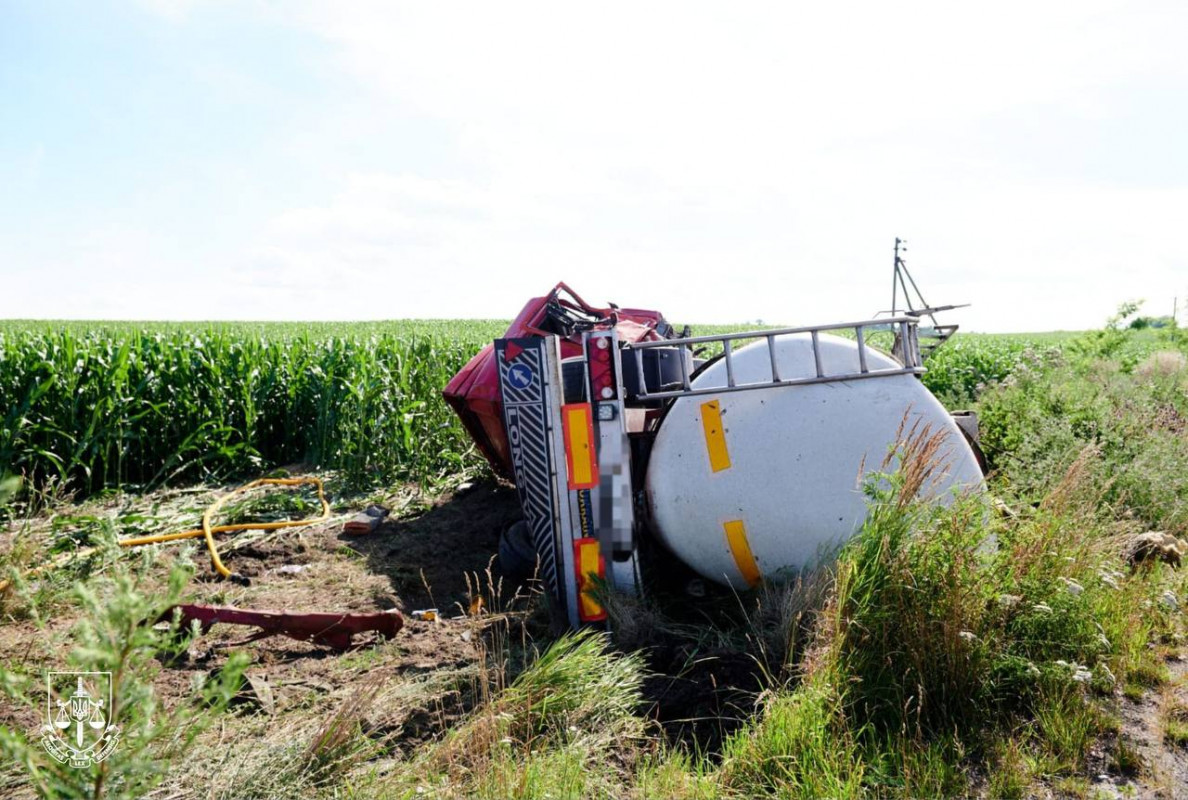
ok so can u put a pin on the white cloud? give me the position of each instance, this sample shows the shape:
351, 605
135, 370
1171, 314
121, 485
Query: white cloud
721, 162
734, 162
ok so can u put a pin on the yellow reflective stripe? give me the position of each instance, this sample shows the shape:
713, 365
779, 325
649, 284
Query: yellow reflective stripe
715, 436
740, 548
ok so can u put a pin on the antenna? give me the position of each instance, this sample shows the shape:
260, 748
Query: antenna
902, 278
902, 281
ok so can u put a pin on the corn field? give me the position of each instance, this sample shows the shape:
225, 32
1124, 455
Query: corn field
101, 406
95, 405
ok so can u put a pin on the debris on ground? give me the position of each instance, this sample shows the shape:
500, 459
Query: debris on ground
332, 629
261, 692
366, 521
1154, 545
1003, 510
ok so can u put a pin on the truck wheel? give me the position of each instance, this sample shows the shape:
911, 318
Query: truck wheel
517, 555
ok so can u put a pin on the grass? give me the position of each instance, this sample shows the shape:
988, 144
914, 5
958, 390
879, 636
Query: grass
946, 652
553, 731
1173, 713
916, 648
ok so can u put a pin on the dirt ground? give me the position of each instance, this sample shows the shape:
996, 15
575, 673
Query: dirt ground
433, 552
1166, 766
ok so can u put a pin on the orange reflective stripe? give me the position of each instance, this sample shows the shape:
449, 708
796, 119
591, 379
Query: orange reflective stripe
589, 564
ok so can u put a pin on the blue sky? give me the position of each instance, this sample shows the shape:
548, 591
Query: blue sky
181, 159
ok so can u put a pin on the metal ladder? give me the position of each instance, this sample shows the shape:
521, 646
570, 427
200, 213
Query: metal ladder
905, 329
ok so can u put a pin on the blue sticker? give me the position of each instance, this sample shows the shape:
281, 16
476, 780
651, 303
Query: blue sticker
519, 376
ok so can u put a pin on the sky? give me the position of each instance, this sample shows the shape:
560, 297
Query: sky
719, 162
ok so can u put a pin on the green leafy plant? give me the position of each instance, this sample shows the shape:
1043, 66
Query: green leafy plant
118, 634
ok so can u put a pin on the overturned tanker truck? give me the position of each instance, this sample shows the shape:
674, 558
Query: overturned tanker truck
628, 449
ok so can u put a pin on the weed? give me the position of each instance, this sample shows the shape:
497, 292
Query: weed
1009, 774
554, 731
1125, 758
799, 747
1067, 726
1173, 714
340, 743
117, 635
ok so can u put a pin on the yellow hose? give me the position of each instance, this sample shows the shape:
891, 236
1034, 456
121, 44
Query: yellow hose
207, 530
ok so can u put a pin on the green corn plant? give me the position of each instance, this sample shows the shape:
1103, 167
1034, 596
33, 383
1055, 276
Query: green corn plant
96, 405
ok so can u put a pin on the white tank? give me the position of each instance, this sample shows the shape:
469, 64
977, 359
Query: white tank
767, 480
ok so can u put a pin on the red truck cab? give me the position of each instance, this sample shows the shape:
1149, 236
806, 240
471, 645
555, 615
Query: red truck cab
474, 392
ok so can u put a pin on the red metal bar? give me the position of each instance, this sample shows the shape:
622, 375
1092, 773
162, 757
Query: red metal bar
326, 628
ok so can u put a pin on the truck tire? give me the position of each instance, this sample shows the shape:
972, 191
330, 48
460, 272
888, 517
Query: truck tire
517, 555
